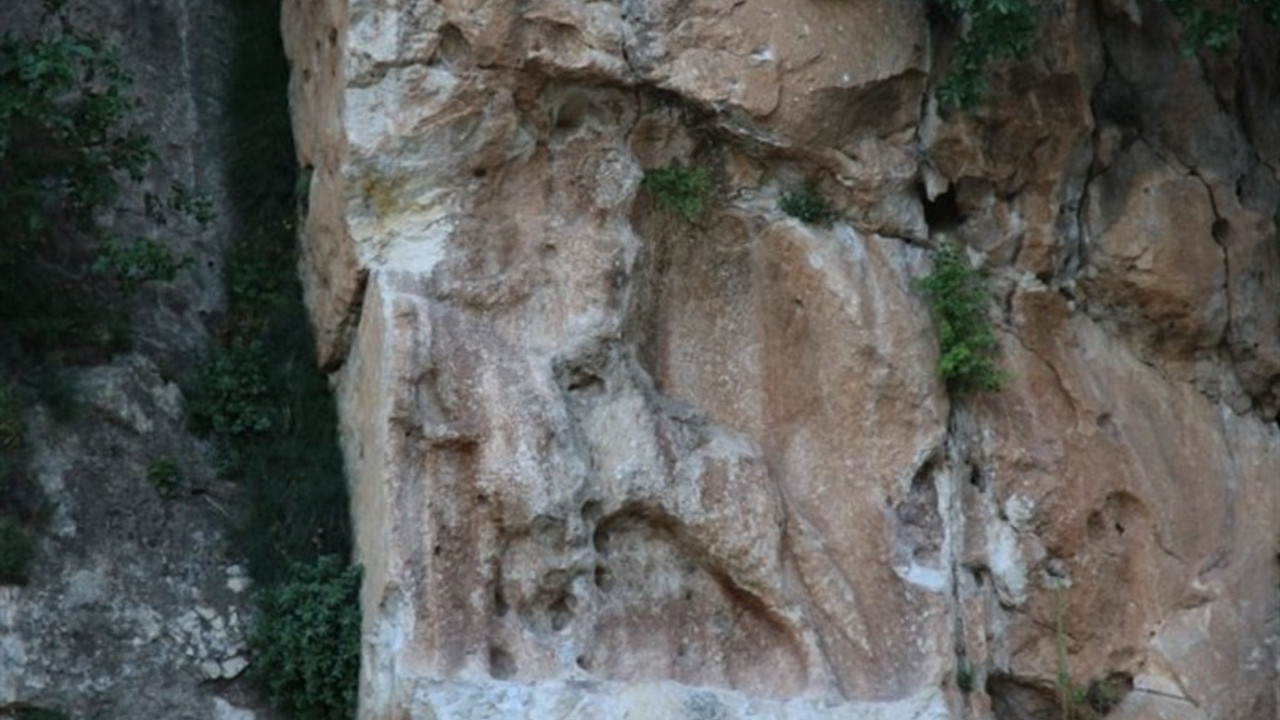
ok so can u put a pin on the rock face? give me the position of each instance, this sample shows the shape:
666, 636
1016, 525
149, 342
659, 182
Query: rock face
610, 462
133, 609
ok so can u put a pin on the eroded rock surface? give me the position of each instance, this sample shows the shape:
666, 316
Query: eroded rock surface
609, 462
134, 608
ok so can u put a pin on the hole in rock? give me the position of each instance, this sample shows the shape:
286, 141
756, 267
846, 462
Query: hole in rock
500, 605
1014, 698
582, 379
1221, 229
571, 113
943, 212
604, 579
979, 574
453, 44
1104, 694
548, 531
561, 610
583, 662
600, 540
1093, 526
501, 665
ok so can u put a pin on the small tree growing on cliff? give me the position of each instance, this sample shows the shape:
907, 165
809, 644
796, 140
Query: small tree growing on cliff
959, 298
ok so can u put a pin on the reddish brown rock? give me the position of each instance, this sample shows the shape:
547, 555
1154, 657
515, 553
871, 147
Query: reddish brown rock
609, 461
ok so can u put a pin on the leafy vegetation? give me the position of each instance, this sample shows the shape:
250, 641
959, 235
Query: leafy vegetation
1215, 25
308, 641
1004, 29
137, 261
231, 401
958, 297
69, 147
267, 409
679, 189
162, 475
997, 30
807, 205
259, 395
966, 676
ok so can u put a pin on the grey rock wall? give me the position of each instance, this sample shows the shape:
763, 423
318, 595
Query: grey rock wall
135, 609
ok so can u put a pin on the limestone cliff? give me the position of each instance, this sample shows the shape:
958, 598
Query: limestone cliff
608, 462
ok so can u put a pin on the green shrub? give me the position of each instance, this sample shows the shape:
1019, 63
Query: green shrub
996, 30
67, 140
1215, 25
306, 641
1004, 29
679, 189
268, 409
808, 206
958, 297
230, 400
137, 261
162, 475
16, 551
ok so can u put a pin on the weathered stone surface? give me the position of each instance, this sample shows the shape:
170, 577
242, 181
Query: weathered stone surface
609, 462
1135, 494
127, 594
127, 612
1153, 259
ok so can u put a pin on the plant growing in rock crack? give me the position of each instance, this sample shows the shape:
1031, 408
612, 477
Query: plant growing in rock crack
679, 189
1079, 702
267, 408
966, 675
807, 205
958, 297
162, 475
307, 641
